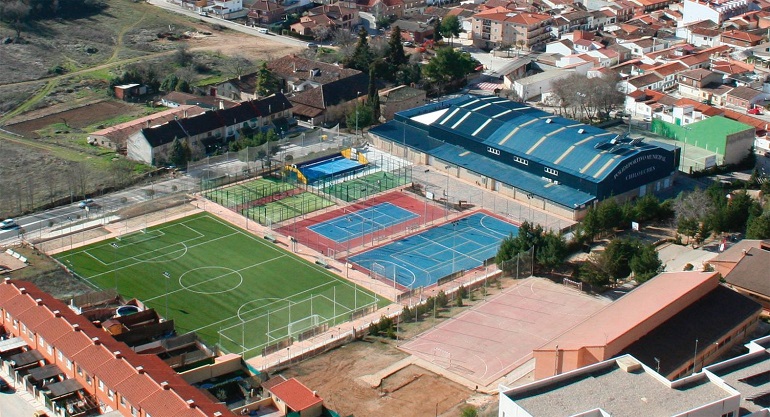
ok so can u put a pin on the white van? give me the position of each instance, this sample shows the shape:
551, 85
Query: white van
262, 30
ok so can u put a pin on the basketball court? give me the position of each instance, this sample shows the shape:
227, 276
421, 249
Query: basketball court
497, 336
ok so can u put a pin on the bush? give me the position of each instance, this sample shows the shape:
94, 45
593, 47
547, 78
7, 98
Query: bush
689, 267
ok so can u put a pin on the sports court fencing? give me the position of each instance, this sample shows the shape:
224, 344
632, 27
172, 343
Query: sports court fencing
269, 327
379, 175
520, 266
231, 167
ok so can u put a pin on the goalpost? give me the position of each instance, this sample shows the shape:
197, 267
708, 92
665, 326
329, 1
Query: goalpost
574, 284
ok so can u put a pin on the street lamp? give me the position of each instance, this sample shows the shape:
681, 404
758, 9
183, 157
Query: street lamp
446, 193
454, 236
358, 93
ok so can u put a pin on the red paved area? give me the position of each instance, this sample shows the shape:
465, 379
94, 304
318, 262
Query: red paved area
495, 337
427, 212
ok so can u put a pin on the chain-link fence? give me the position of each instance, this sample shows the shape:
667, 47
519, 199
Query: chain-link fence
520, 266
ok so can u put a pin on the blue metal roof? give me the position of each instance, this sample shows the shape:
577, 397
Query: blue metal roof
419, 139
582, 150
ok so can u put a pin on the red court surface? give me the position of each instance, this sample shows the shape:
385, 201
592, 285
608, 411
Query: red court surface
497, 336
426, 213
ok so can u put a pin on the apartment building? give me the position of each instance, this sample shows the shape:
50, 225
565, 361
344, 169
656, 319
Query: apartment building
499, 27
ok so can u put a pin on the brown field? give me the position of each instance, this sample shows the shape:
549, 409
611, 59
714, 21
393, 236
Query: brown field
410, 392
76, 118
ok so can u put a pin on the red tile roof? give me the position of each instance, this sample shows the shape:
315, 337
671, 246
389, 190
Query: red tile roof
80, 347
701, 107
35, 317
297, 396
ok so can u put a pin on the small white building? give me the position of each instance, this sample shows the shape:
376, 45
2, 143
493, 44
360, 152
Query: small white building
538, 84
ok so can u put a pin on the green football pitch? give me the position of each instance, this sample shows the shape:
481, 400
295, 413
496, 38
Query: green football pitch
232, 288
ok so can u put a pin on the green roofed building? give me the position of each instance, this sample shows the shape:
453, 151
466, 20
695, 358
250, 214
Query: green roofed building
555, 164
713, 141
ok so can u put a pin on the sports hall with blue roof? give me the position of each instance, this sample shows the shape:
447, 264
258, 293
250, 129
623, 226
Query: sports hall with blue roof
526, 152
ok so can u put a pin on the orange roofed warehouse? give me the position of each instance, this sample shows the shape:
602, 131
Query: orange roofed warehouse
675, 322
94, 367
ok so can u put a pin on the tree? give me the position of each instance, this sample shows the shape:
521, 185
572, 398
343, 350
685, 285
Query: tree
450, 27
182, 56
169, 83
238, 65
373, 96
321, 32
396, 57
180, 153
759, 227
437, 31
552, 251
468, 411
645, 263
447, 67
267, 83
362, 55
16, 13
363, 114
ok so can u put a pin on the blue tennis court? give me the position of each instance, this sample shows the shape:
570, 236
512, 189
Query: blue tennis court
424, 258
354, 224
327, 167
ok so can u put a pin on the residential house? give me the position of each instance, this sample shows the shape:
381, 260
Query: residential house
298, 74
715, 11
207, 131
644, 46
130, 92
536, 85
497, 28
396, 99
647, 103
389, 8
649, 6
413, 31
745, 97
116, 137
176, 99
686, 111
101, 375
210, 102
669, 72
740, 40
265, 12
648, 81
571, 21
327, 102
702, 36
329, 15
226, 9
293, 398
693, 82
749, 275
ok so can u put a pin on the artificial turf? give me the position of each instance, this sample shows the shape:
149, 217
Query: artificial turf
230, 287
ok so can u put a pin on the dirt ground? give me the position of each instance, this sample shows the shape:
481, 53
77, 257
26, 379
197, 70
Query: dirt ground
75, 118
410, 392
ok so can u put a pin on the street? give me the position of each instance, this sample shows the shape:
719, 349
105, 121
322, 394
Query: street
228, 24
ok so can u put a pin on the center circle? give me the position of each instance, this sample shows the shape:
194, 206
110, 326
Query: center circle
211, 280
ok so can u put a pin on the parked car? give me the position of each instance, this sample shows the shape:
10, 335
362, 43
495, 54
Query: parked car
8, 224
4, 385
408, 44
312, 45
85, 203
755, 110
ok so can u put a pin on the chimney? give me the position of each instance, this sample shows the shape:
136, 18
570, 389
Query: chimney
165, 385
76, 327
140, 369
217, 414
7, 280
57, 313
22, 290
96, 341
315, 393
148, 123
221, 104
185, 113
39, 301
191, 403
117, 354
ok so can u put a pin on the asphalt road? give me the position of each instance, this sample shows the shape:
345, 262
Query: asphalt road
12, 405
228, 24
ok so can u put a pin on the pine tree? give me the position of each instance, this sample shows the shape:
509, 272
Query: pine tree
396, 56
362, 56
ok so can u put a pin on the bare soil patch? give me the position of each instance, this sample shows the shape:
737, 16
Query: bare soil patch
47, 275
409, 392
76, 118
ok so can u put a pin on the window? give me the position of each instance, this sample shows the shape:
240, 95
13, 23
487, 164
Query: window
110, 394
59, 355
133, 411
122, 401
41, 342
23, 328
88, 380
50, 349
551, 171
520, 160
15, 324
493, 151
101, 385
80, 371
730, 414
69, 364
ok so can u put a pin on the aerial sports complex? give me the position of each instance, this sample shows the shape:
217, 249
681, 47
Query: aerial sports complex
549, 162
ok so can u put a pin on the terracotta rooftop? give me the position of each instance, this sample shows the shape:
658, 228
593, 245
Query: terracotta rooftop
297, 396
649, 299
82, 344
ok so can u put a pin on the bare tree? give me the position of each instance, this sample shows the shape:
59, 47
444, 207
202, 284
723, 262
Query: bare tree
121, 172
238, 65
343, 37
16, 13
321, 32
